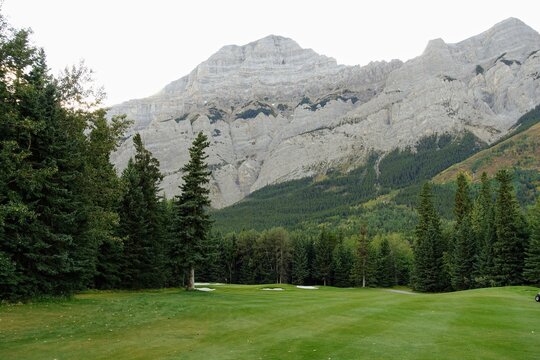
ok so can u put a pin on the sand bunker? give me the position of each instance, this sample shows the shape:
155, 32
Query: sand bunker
204, 289
206, 284
307, 287
273, 289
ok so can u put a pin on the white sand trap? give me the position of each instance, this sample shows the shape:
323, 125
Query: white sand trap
401, 292
273, 289
206, 284
204, 289
307, 287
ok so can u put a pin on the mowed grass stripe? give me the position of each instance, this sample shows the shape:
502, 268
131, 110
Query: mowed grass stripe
243, 322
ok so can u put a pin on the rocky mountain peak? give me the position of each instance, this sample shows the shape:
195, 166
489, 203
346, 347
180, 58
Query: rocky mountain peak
275, 111
512, 37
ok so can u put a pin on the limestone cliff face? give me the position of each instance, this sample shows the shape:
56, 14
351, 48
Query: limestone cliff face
276, 112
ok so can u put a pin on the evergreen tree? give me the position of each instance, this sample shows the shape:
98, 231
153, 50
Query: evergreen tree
191, 222
141, 221
212, 268
342, 265
385, 265
483, 228
300, 261
282, 250
463, 254
361, 260
103, 189
428, 248
44, 210
229, 254
510, 244
531, 270
324, 249
245, 255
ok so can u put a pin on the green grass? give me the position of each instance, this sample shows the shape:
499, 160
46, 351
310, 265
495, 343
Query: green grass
243, 322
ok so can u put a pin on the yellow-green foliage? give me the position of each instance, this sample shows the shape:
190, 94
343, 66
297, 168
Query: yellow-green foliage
520, 151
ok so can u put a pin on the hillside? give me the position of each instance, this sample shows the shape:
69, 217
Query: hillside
382, 192
520, 152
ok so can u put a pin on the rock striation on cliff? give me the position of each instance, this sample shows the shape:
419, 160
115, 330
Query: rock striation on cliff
275, 111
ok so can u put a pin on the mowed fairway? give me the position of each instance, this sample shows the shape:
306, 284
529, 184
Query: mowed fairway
243, 322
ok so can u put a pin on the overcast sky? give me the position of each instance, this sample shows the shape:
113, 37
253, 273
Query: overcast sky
137, 47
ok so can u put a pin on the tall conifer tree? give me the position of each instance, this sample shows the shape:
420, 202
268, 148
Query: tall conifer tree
483, 228
429, 247
531, 271
300, 261
324, 249
510, 244
386, 265
464, 244
361, 260
141, 221
191, 222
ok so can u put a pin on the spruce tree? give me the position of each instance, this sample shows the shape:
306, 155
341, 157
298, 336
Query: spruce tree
300, 263
44, 209
103, 189
361, 259
385, 265
483, 228
229, 254
191, 222
428, 247
324, 249
282, 250
510, 245
531, 270
141, 221
342, 265
464, 244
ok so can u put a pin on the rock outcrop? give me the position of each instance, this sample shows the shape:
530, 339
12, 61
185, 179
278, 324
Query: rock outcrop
276, 112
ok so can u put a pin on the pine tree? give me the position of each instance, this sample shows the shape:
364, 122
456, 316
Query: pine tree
361, 260
385, 265
342, 265
141, 220
103, 189
324, 249
510, 245
300, 261
464, 244
531, 270
483, 228
44, 211
282, 250
229, 254
428, 248
191, 222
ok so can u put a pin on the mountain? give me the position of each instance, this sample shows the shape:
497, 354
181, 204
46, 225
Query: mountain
387, 200
276, 112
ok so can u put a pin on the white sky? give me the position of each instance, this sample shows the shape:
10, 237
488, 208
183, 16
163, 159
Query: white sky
137, 47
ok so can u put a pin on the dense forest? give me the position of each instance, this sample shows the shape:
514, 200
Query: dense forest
387, 200
69, 221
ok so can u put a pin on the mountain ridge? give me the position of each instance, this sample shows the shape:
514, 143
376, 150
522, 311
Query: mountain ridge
276, 112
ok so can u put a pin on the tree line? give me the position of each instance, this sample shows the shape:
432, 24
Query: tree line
329, 258
490, 243
68, 221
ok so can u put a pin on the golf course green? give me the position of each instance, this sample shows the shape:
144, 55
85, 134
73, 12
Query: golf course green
245, 322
